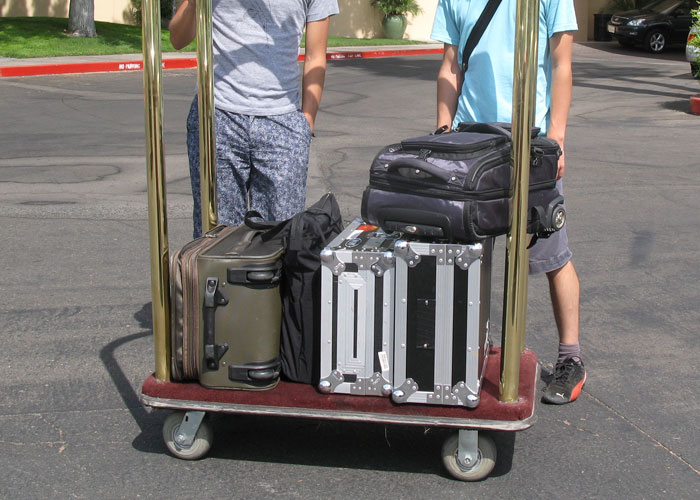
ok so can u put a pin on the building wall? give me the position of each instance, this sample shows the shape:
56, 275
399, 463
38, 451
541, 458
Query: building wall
112, 11
115, 11
357, 18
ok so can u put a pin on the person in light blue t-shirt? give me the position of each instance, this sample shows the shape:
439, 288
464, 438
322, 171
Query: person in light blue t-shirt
485, 94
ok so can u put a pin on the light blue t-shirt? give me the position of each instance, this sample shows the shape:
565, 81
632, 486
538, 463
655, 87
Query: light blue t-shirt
255, 49
487, 92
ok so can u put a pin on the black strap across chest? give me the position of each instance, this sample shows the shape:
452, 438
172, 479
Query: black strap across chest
478, 31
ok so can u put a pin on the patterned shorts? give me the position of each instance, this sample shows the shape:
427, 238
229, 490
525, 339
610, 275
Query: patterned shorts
261, 165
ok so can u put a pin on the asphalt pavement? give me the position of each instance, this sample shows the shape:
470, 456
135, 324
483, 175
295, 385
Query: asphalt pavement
75, 297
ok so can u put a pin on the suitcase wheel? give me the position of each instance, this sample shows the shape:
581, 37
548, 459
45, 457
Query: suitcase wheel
179, 443
478, 467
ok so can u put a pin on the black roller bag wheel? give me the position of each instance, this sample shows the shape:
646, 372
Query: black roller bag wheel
456, 186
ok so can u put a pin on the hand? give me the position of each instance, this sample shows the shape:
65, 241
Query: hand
310, 119
561, 165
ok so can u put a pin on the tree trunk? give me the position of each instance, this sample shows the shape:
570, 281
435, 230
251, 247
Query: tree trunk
81, 18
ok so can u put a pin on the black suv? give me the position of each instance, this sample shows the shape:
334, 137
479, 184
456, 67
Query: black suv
655, 26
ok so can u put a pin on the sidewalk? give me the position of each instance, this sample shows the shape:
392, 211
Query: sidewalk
178, 60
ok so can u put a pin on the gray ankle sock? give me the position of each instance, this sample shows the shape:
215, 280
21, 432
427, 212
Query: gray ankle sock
569, 351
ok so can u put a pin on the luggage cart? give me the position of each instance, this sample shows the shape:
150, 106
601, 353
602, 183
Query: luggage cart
468, 454
508, 396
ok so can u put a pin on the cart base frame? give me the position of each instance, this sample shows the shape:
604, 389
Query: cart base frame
299, 400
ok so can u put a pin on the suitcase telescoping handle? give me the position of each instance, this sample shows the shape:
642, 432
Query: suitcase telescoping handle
212, 299
400, 165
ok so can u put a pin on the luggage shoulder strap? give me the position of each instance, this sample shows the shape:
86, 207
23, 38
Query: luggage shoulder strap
477, 31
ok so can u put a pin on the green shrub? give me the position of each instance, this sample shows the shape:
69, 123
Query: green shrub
397, 7
167, 9
695, 41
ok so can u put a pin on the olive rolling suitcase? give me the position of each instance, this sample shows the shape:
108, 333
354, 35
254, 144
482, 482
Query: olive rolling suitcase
226, 310
357, 311
442, 322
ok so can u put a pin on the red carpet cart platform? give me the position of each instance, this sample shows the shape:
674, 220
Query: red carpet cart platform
467, 454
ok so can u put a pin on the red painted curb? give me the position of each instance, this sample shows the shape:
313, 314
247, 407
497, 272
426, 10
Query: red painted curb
181, 63
91, 67
367, 54
695, 104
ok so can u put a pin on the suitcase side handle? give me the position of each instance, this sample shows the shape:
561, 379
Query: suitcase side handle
416, 167
416, 222
213, 298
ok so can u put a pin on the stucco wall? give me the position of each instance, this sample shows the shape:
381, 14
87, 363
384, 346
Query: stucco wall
112, 11
357, 18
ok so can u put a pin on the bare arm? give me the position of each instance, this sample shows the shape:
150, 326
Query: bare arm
183, 26
561, 49
314, 68
449, 85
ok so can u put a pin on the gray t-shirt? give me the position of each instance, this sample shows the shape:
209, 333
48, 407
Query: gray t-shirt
256, 45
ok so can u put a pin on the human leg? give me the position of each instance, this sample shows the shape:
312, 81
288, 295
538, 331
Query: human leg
569, 372
233, 158
564, 292
280, 158
232, 166
553, 257
193, 157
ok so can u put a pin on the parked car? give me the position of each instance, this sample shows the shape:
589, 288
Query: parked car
655, 26
692, 52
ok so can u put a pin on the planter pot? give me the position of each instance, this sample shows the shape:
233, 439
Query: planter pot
394, 26
695, 104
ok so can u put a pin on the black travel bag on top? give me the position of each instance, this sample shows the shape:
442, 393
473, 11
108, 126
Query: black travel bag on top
456, 186
303, 237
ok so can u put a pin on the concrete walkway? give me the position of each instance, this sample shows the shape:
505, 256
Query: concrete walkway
11, 67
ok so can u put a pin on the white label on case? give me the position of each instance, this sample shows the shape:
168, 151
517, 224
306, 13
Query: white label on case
383, 361
353, 235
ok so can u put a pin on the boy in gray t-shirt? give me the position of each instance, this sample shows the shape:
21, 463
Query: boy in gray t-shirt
262, 136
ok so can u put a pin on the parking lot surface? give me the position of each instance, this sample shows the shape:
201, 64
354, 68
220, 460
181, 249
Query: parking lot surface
75, 297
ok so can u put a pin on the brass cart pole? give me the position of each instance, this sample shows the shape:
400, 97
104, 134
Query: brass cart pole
155, 164
205, 84
515, 289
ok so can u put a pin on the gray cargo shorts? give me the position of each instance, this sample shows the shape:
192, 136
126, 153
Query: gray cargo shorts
550, 254
261, 165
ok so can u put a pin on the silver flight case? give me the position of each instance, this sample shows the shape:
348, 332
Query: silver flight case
442, 322
357, 312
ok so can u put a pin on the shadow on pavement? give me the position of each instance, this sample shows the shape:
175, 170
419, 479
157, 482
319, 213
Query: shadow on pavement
414, 67
673, 53
353, 445
149, 439
270, 439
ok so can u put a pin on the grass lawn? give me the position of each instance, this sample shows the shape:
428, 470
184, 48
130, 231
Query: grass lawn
22, 37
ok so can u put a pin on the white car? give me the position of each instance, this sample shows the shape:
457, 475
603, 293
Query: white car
693, 52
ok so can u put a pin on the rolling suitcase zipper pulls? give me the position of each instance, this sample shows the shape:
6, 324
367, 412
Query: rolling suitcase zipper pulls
212, 299
536, 157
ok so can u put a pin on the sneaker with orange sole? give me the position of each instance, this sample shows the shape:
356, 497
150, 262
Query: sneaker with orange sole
569, 377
